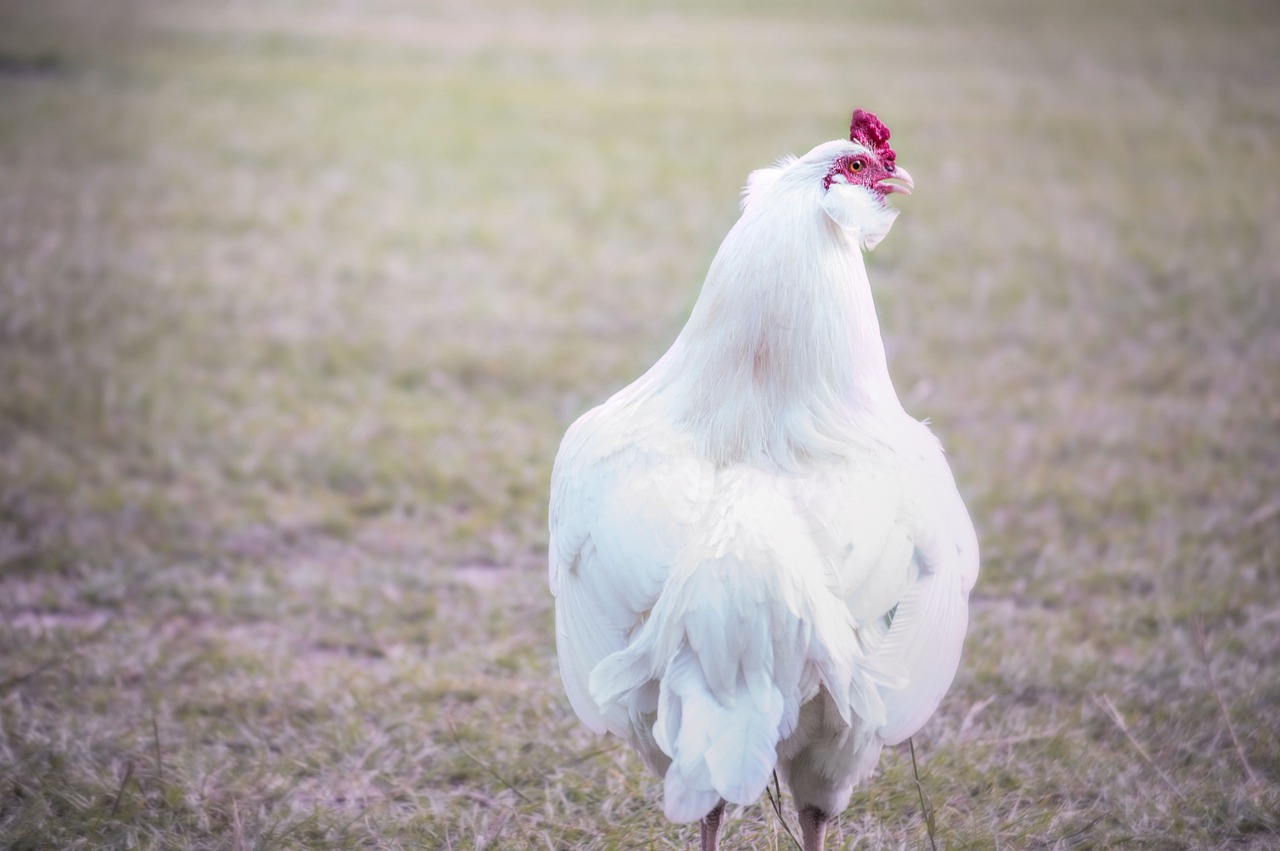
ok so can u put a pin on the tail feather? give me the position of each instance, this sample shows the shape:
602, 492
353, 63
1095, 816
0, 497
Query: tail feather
722, 745
736, 650
743, 753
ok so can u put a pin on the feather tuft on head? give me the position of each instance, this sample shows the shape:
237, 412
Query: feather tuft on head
866, 129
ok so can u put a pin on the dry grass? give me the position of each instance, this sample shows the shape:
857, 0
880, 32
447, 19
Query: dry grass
297, 299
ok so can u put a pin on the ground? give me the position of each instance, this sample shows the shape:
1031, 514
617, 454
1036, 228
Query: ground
296, 300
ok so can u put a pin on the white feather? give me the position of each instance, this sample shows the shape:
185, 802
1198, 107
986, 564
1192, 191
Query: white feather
762, 178
857, 211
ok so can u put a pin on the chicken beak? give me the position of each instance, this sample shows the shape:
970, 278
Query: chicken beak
904, 185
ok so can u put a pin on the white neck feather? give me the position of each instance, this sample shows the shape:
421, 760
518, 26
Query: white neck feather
781, 361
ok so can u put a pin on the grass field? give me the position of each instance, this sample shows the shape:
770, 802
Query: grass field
296, 300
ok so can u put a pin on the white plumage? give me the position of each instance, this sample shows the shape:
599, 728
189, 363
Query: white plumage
760, 561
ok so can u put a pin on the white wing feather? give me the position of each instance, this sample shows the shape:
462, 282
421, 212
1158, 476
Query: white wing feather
929, 624
614, 534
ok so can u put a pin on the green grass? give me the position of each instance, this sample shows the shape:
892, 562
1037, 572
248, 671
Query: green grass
296, 300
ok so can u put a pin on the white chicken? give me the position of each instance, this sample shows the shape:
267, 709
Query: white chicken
760, 562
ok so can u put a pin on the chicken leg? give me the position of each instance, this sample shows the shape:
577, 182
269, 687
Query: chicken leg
813, 828
711, 828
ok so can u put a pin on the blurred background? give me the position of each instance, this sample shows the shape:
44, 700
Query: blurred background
297, 299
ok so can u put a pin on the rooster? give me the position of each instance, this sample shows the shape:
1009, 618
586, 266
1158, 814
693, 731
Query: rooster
760, 561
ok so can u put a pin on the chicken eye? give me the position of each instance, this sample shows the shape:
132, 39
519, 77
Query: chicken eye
856, 166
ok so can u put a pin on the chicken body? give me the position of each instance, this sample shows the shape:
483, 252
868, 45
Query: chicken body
760, 561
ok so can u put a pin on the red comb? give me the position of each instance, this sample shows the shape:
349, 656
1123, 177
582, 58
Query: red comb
870, 131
